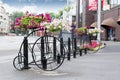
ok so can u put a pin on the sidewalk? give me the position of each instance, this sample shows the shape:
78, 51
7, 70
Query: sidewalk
13, 42
103, 65
10, 42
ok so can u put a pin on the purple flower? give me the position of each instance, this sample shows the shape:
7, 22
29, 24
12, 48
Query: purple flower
38, 16
12, 27
41, 28
42, 15
32, 22
30, 27
48, 17
29, 14
32, 14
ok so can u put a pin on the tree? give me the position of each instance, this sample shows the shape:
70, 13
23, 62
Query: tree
15, 15
67, 8
52, 15
61, 13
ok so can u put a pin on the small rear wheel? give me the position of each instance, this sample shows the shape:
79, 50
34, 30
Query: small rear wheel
18, 62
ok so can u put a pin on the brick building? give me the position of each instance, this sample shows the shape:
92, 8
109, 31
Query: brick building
108, 24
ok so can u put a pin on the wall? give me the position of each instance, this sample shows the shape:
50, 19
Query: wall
113, 13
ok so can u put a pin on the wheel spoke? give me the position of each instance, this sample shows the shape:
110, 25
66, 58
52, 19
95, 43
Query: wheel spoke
48, 53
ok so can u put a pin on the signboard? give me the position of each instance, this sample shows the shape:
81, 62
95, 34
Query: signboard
92, 4
105, 5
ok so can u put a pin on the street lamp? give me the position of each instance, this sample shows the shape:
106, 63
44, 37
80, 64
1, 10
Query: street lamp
99, 19
77, 13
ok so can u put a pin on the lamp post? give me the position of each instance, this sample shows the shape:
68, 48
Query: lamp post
77, 13
99, 19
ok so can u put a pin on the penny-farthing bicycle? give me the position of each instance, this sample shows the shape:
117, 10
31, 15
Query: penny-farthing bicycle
46, 52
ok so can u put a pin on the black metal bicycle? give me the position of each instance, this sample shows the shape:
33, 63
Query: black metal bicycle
46, 52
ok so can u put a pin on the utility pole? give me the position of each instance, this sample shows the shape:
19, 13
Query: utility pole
99, 19
84, 12
77, 13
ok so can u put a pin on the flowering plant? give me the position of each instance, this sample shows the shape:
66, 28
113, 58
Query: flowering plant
93, 31
56, 25
31, 21
81, 30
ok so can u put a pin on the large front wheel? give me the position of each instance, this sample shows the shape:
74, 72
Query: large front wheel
48, 53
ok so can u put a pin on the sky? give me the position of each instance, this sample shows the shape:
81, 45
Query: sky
34, 6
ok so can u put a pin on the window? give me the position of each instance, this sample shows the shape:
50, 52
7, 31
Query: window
0, 17
4, 18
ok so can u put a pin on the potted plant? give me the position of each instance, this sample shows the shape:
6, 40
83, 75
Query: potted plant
56, 26
80, 31
31, 21
93, 32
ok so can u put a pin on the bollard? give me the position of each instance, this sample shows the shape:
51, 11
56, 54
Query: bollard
58, 59
42, 48
80, 52
44, 63
69, 50
25, 51
85, 51
75, 46
54, 48
72, 36
61, 46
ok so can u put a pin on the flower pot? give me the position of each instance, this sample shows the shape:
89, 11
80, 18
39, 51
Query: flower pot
55, 33
94, 34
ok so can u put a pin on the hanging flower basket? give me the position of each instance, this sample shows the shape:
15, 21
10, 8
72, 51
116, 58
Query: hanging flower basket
56, 26
31, 21
56, 33
80, 31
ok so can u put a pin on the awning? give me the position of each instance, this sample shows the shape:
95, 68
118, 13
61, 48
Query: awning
118, 21
93, 25
110, 23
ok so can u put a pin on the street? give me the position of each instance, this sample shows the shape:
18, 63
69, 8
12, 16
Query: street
103, 65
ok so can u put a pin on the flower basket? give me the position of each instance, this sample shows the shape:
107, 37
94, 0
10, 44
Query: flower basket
93, 37
80, 31
56, 32
31, 21
32, 27
81, 34
94, 32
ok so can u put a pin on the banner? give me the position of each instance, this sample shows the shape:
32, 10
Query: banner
105, 4
92, 4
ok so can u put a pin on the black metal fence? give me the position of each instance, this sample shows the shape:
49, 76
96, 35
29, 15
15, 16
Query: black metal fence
51, 50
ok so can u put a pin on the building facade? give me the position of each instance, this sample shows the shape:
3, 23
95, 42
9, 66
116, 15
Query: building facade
109, 18
70, 16
4, 20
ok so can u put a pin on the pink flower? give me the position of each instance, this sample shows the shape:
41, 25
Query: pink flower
42, 15
32, 22
47, 17
38, 16
94, 44
41, 28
